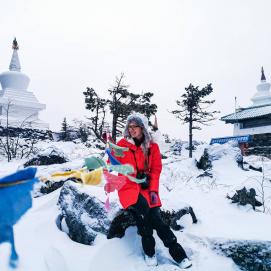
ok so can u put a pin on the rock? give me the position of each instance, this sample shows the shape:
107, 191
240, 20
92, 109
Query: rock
125, 219
83, 216
50, 186
48, 156
244, 197
248, 255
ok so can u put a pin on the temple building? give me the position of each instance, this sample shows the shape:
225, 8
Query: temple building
252, 124
18, 105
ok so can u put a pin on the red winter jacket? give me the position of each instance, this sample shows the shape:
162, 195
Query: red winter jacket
128, 194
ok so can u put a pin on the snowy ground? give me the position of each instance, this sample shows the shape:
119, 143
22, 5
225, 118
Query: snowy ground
41, 246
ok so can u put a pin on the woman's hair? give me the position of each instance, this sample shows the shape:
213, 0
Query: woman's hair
141, 121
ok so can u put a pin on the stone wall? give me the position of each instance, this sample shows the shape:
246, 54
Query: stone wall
26, 133
260, 145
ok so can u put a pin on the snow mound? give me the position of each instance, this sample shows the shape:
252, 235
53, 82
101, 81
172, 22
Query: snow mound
229, 149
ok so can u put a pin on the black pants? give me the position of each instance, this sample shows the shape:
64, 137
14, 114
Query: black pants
148, 219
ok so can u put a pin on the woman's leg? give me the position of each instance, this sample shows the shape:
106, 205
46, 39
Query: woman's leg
140, 211
166, 235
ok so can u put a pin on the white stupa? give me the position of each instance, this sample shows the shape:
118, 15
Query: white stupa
254, 119
22, 106
263, 94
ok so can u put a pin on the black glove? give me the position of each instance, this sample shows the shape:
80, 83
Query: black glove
146, 184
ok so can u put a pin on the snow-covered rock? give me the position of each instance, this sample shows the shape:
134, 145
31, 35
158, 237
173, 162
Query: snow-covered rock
248, 255
229, 149
48, 156
84, 214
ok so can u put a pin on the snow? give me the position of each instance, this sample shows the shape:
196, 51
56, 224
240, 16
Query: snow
42, 246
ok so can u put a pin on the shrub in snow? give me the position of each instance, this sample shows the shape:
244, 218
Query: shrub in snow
18, 143
17, 148
83, 216
248, 255
49, 156
244, 197
166, 138
176, 148
195, 144
204, 162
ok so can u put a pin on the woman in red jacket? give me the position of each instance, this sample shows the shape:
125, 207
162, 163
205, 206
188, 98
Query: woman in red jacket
143, 199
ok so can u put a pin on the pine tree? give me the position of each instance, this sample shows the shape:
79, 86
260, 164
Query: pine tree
64, 135
123, 102
97, 106
194, 109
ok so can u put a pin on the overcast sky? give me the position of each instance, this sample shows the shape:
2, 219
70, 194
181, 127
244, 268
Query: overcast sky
161, 46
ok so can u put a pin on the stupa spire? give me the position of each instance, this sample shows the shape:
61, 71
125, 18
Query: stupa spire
263, 76
15, 62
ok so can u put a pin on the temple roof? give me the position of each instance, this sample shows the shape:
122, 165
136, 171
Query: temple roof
248, 113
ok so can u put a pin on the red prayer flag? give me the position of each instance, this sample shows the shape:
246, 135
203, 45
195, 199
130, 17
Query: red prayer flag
113, 182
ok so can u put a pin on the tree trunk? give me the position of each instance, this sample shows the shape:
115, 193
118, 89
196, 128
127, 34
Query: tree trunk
114, 128
190, 134
115, 118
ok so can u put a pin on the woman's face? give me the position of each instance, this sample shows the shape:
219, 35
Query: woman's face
135, 131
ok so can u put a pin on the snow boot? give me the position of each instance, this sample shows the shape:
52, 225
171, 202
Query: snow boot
150, 261
185, 263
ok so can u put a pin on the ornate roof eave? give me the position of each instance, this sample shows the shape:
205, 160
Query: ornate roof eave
253, 112
235, 120
241, 120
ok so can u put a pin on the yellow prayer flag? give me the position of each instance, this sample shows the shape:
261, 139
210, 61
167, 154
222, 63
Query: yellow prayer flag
93, 178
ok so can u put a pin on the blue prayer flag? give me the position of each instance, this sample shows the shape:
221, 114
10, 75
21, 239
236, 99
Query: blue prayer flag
113, 160
15, 200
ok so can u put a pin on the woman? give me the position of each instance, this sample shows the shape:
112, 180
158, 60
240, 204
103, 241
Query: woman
143, 199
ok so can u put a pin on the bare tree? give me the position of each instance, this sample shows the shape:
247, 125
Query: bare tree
264, 184
16, 146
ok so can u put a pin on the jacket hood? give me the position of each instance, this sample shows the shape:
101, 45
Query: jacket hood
141, 121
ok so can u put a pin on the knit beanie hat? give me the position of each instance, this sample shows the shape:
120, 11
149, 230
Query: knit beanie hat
141, 121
